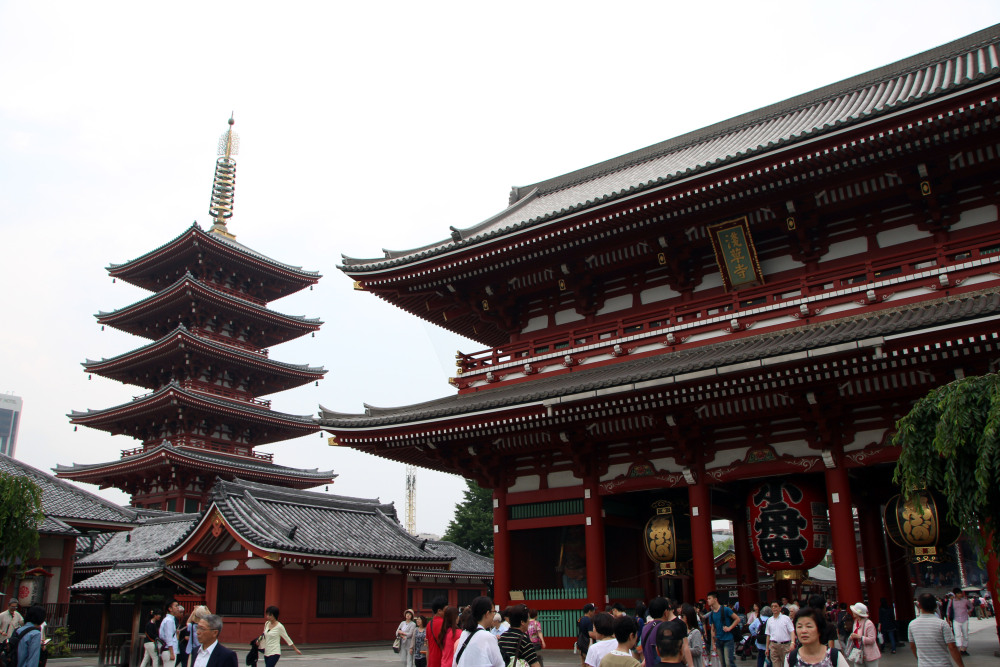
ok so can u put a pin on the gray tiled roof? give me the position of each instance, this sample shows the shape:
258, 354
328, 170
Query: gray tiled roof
146, 542
466, 562
310, 523
65, 501
131, 576
752, 348
216, 458
912, 81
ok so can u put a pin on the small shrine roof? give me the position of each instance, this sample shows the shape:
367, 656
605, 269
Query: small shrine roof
66, 506
236, 464
123, 578
801, 339
196, 232
914, 80
143, 543
465, 562
305, 523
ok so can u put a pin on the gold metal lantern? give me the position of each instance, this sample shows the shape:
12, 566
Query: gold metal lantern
664, 544
921, 527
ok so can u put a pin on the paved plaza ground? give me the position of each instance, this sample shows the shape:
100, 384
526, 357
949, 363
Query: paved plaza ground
983, 643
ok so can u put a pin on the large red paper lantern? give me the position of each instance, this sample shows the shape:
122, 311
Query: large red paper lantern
788, 527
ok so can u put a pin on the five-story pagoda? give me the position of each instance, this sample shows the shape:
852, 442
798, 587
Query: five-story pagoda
206, 368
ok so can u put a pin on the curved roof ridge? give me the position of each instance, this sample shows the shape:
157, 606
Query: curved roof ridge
239, 247
189, 277
295, 496
183, 330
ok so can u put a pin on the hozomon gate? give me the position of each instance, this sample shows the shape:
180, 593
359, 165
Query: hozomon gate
758, 300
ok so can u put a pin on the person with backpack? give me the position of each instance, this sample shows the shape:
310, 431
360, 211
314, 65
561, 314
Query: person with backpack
758, 629
584, 632
723, 621
27, 640
810, 628
844, 624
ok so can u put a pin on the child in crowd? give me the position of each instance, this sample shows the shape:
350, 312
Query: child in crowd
626, 634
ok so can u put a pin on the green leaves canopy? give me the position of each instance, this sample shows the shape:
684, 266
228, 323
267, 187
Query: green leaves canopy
20, 516
472, 526
951, 443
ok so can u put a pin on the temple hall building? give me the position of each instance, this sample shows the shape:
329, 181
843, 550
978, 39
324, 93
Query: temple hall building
725, 325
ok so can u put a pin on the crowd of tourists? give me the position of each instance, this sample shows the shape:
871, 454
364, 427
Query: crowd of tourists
785, 633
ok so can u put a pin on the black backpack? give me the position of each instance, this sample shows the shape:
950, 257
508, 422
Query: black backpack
844, 624
8, 653
761, 637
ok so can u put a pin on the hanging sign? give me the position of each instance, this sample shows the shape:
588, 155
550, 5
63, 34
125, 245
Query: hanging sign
735, 254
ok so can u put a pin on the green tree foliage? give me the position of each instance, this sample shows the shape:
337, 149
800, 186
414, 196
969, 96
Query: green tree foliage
20, 516
951, 443
472, 526
719, 548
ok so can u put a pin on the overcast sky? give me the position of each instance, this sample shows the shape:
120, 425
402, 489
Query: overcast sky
364, 126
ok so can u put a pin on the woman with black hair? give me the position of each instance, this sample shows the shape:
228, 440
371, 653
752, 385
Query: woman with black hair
515, 643
810, 628
274, 632
476, 647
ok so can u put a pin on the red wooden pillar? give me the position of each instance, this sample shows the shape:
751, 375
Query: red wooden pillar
845, 549
701, 538
746, 566
593, 510
873, 552
501, 550
993, 574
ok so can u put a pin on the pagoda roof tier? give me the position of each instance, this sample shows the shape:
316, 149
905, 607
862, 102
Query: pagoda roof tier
195, 248
151, 366
929, 75
199, 461
290, 525
163, 406
157, 315
705, 362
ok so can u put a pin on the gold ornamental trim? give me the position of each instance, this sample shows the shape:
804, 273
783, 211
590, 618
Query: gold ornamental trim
790, 575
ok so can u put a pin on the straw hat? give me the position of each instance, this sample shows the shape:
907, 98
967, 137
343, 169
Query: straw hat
859, 609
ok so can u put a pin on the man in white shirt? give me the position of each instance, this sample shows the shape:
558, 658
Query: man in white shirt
779, 635
604, 628
168, 633
10, 620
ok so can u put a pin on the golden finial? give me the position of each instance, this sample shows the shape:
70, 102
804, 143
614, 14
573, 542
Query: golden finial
224, 184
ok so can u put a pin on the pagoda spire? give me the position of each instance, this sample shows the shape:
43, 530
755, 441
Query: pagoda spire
224, 183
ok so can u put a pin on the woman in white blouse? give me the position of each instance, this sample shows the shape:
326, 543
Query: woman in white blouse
406, 632
476, 647
270, 642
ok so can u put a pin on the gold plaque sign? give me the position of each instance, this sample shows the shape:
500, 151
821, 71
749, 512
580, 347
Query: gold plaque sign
735, 254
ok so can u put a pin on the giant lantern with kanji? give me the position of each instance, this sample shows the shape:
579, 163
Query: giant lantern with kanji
667, 537
920, 527
788, 527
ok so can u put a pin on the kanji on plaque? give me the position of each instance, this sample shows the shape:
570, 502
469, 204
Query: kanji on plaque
735, 254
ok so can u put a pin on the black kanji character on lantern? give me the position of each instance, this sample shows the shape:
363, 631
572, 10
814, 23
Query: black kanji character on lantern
779, 525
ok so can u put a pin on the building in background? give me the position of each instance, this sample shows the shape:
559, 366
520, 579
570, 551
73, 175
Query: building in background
10, 415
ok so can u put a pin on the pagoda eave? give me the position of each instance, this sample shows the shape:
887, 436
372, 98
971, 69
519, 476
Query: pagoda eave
194, 246
140, 367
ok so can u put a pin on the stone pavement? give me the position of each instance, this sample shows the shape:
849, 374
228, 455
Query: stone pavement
982, 645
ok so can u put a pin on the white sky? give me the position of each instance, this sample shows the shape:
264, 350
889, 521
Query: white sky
364, 125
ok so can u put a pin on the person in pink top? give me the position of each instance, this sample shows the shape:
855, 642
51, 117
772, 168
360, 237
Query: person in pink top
864, 637
958, 615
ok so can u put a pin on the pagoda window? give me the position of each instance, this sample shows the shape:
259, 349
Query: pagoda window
190, 505
171, 505
241, 595
884, 273
343, 597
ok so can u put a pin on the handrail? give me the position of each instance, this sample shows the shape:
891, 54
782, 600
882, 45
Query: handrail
207, 445
209, 388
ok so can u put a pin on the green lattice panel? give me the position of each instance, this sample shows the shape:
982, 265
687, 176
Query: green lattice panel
552, 508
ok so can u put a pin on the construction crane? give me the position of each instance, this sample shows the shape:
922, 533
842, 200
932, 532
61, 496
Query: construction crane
411, 500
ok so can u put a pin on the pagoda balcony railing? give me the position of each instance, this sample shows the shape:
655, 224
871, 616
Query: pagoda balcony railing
216, 390
199, 443
922, 267
228, 340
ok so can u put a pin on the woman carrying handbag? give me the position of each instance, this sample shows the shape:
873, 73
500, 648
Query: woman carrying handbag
863, 640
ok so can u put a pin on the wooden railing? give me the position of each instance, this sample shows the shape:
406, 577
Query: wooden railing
227, 340
208, 445
209, 388
778, 297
